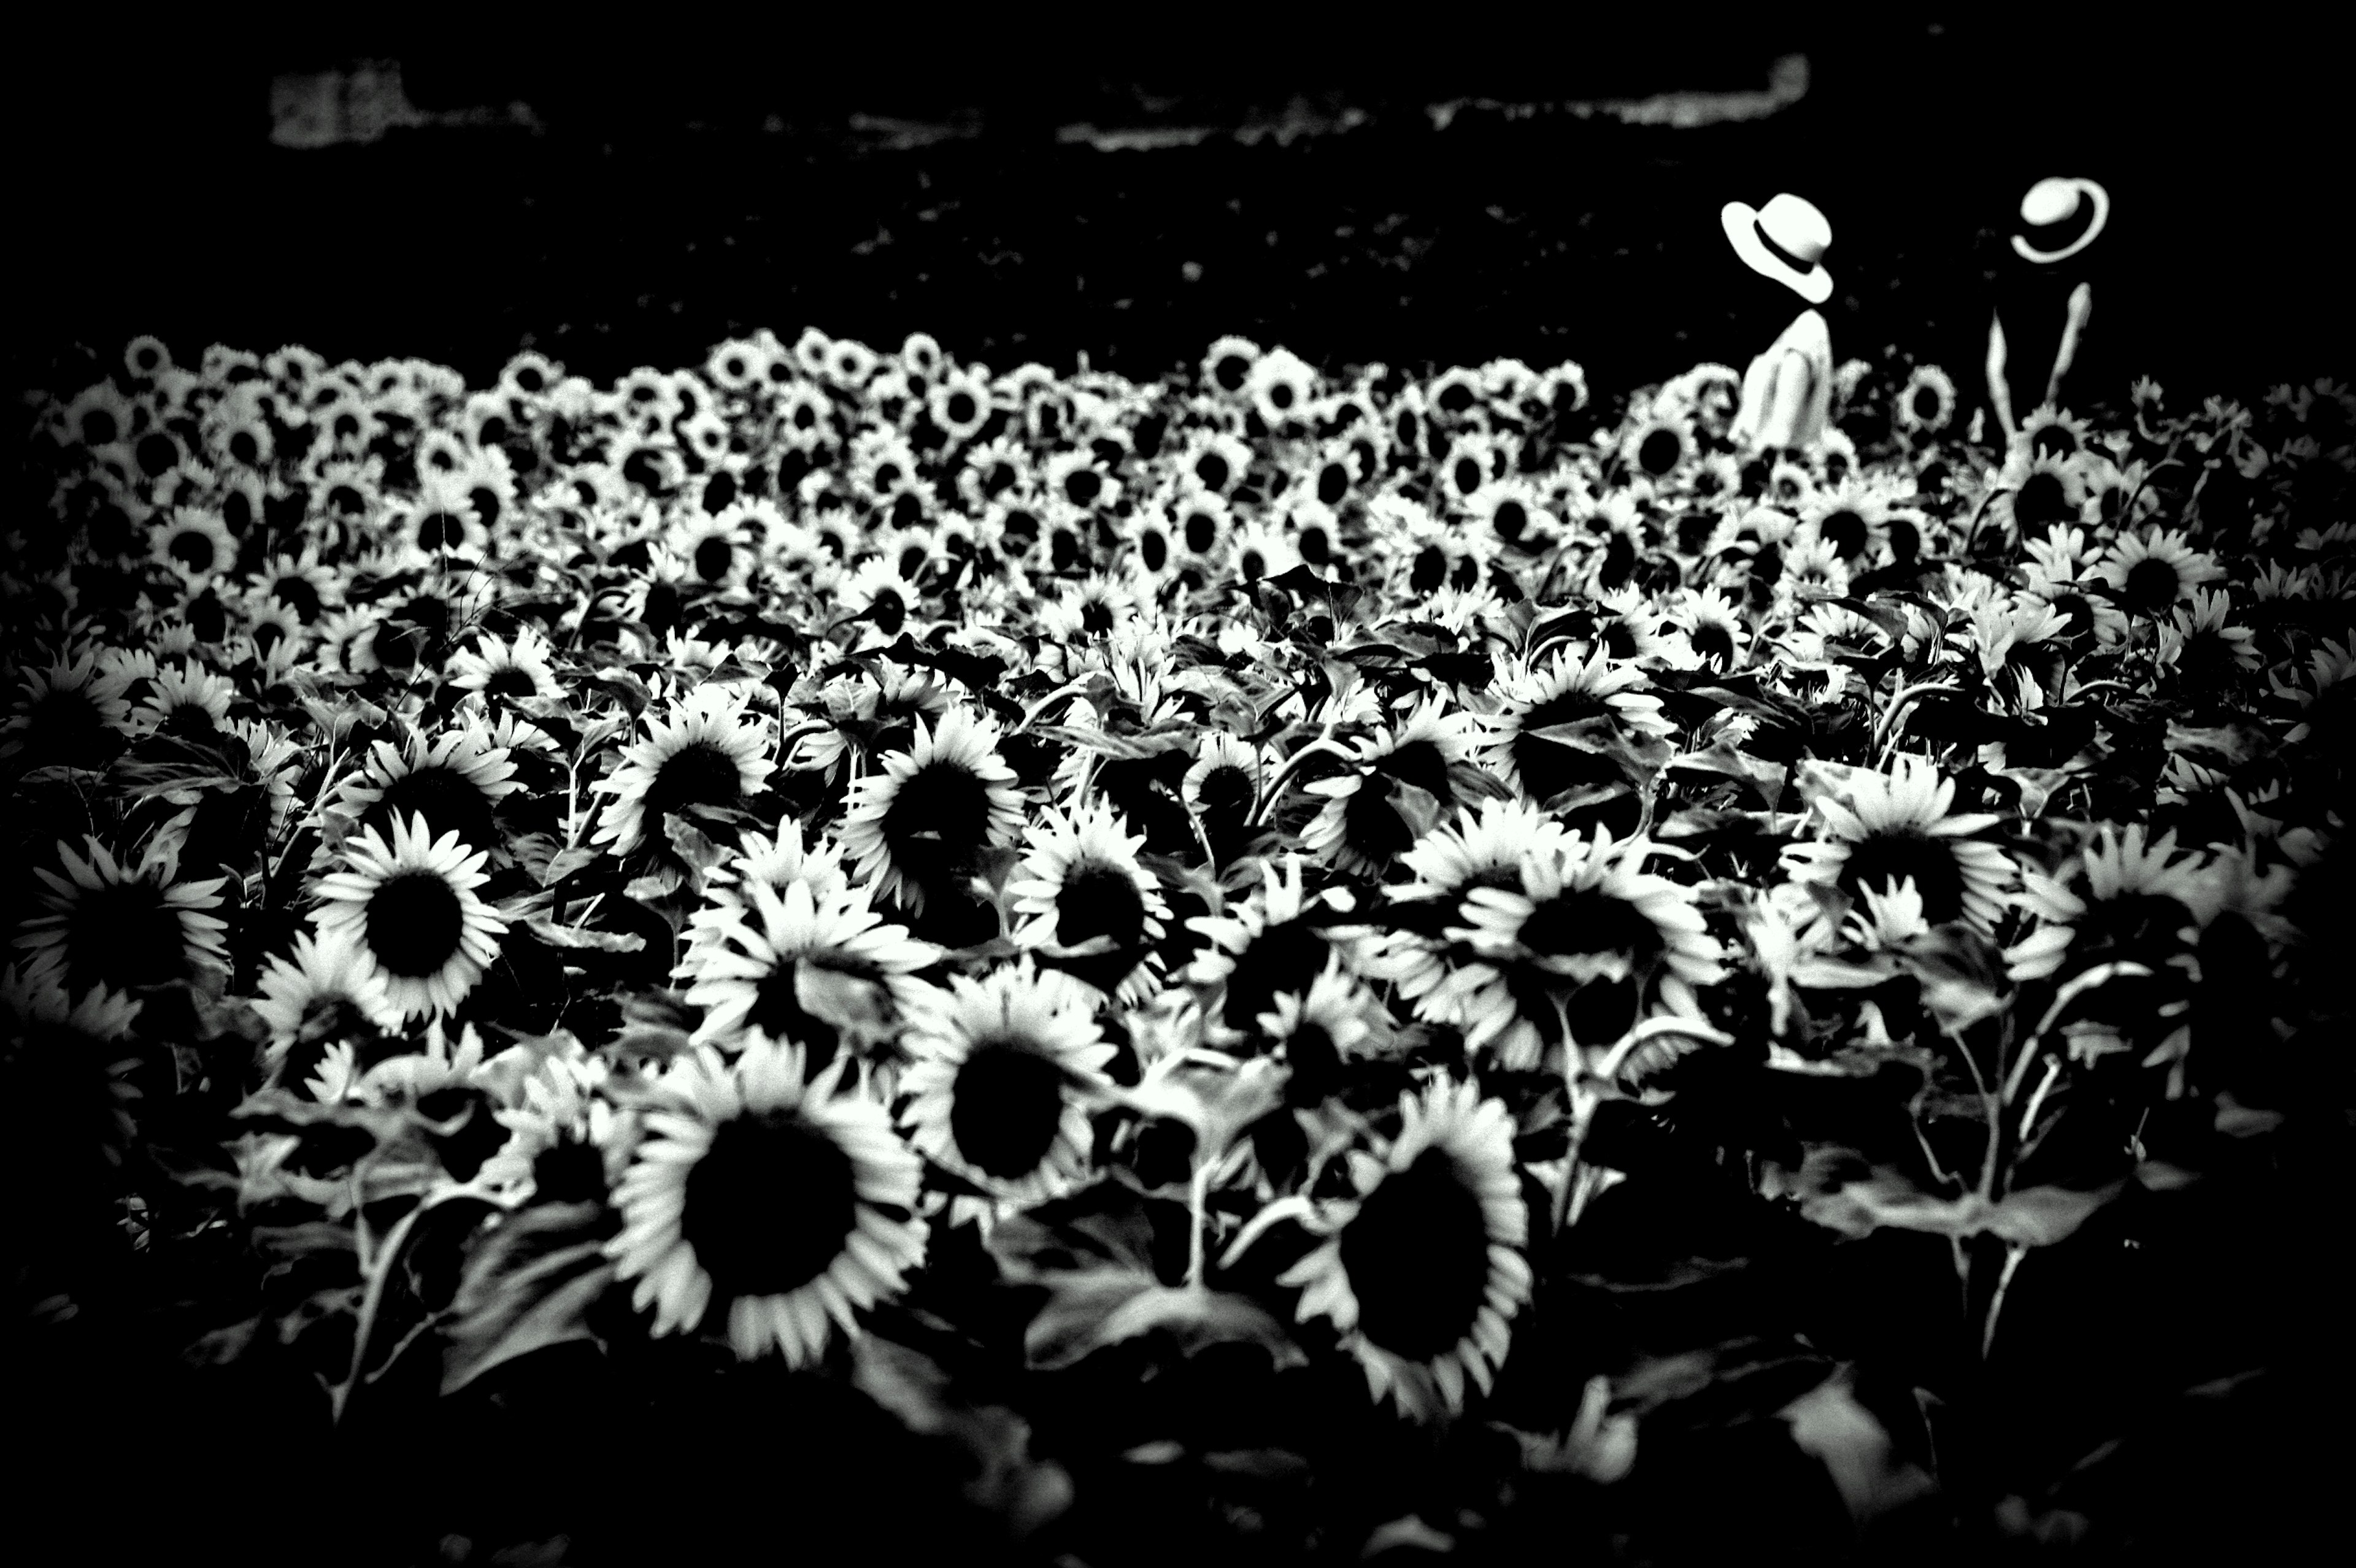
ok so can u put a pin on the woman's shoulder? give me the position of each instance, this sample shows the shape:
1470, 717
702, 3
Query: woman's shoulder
1809, 332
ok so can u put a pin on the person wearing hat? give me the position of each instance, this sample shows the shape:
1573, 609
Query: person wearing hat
1787, 391
2044, 297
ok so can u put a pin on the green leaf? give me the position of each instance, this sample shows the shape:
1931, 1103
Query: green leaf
585, 937
1089, 1309
2040, 1216
527, 1285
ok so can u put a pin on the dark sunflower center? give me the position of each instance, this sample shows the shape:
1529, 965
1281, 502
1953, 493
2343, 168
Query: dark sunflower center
124, 935
2053, 441
1316, 1064
1510, 518
1211, 468
1096, 617
1202, 531
777, 1012
192, 550
1082, 486
190, 720
448, 800
440, 530
2152, 584
714, 555
1253, 565
1926, 403
769, 1205
1417, 1258
1225, 790
1230, 372
1100, 900
1619, 561
1584, 921
1155, 549
1285, 957
1466, 475
2043, 501
1333, 484
700, 773
1315, 548
2132, 924
1006, 1105
2205, 661
511, 680
395, 646
961, 407
1886, 859
939, 822
1714, 642
1429, 571
1845, 532
1659, 452
298, 594
414, 923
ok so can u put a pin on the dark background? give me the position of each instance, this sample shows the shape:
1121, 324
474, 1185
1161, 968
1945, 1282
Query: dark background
684, 187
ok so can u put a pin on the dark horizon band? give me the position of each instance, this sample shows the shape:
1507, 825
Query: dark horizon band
1778, 251
2065, 232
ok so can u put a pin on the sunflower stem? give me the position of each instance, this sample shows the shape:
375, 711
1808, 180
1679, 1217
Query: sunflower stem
1197, 1200
380, 1269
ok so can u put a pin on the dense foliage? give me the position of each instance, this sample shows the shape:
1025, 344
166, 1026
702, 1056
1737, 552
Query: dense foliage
1293, 964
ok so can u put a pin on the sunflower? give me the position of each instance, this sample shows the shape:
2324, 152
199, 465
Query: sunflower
876, 597
706, 751
410, 909
512, 667
64, 710
1790, 484
1081, 881
1567, 691
2050, 432
1228, 364
919, 826
1658, 446
1713, 628
455, 784
1202, 523
776, 864
325, 991
1003, 1071
1513, 510
2154, 572
1579, 951
712, 549
748, 975
1367, 821
1215, 465
303, 583
1885, 827
1281, 386
1318, 1031
1222, 784
1277, 939
781, 1198
1421, 1272
1153, 536
124, 926
193, 542
186, 701
565, 1142
1483, 850
2038, 491
2125, 895
2205, 650
1926, 403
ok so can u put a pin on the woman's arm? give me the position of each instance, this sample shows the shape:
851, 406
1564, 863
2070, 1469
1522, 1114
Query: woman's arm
2081, 305
1999, 394
1787, 404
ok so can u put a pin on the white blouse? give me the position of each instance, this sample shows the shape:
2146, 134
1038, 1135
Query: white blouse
1811, 339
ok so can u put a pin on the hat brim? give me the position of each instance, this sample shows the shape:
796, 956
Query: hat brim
2102, 199
1815, 285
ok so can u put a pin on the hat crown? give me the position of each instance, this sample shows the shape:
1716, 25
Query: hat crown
2050, 202
1797, 227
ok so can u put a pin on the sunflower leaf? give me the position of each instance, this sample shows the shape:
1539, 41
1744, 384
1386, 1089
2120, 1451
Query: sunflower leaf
1089, 1309
526, 1286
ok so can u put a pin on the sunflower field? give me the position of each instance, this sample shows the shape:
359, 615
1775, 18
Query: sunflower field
841, 953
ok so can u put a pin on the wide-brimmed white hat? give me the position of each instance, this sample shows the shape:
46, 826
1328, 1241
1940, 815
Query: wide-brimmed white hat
2059, 217
1785, 240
